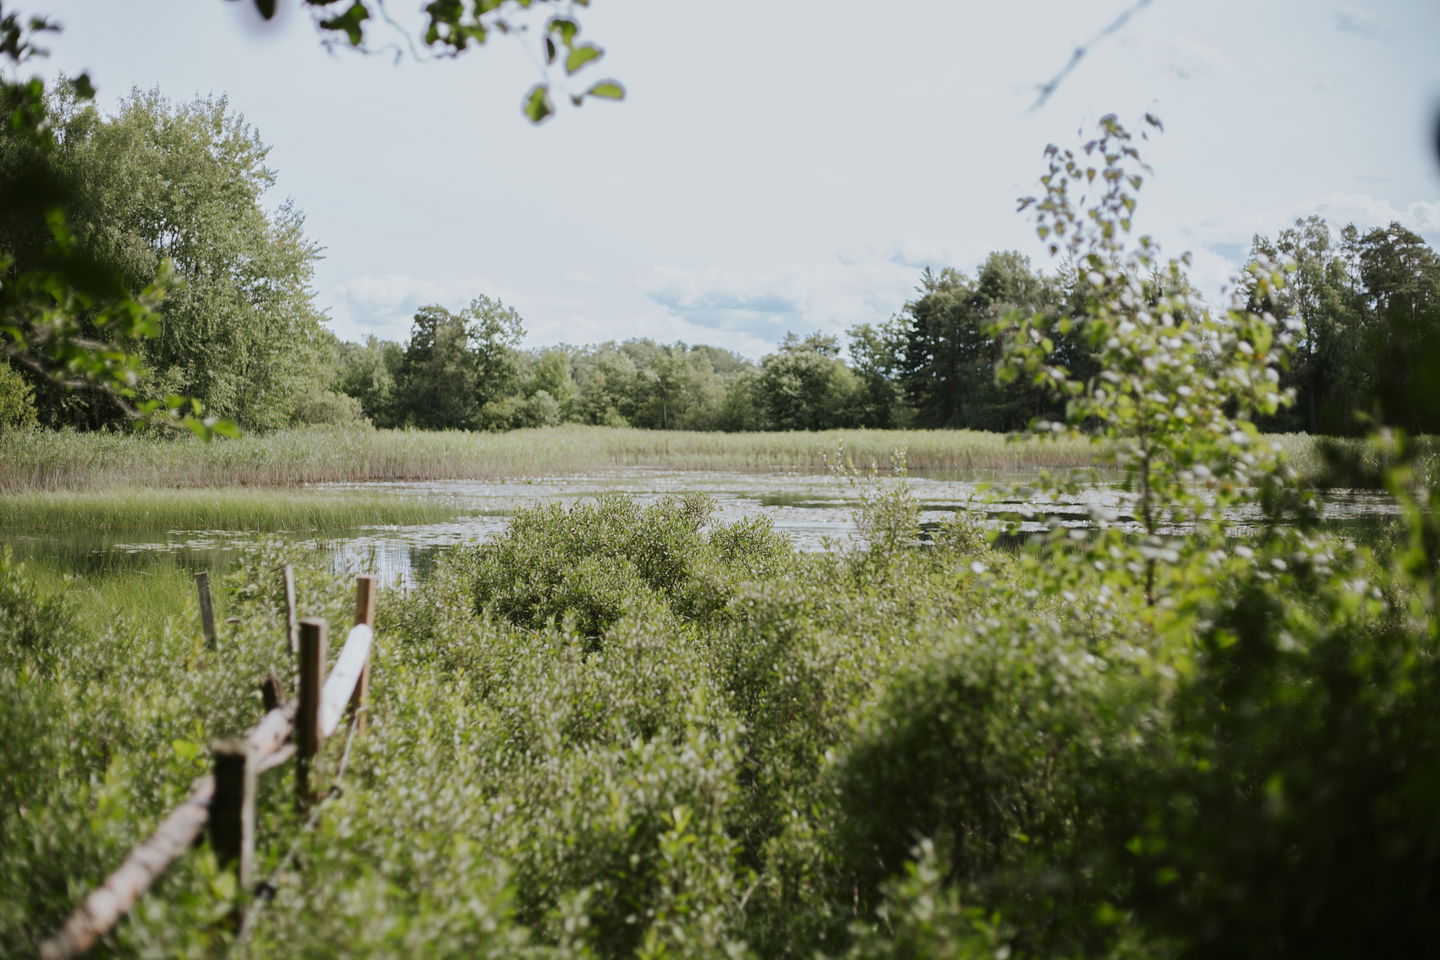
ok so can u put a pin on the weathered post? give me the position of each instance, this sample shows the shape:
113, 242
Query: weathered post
292, 625
270, 691
308, 734
364, 613
207, 611
232, 809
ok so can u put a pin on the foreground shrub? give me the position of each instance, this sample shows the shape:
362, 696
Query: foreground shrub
1290, 811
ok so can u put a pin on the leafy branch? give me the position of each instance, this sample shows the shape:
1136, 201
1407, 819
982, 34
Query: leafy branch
456, 25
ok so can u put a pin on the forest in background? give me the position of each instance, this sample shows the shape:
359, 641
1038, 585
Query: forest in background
184, 184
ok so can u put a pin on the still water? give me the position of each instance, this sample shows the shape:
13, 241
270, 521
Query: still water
814, 511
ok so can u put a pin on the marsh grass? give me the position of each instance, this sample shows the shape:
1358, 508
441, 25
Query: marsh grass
149, 594
213, 509
42, 460
46, 460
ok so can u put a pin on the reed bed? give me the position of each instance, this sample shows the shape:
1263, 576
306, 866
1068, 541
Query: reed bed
249, 509
43, 460
46, 460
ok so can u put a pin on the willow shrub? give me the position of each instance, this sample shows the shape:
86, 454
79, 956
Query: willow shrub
592, 563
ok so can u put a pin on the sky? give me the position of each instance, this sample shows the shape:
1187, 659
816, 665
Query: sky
784, 166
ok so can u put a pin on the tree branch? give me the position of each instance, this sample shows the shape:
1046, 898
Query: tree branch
1115, 26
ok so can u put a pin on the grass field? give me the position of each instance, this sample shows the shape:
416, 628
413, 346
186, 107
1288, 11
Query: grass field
44, 460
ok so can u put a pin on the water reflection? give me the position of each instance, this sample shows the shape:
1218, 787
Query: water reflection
813, 511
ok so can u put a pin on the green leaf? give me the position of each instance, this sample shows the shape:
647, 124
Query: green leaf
607, 89
537, 103
581, 55
83, 87
567, 29
350, 23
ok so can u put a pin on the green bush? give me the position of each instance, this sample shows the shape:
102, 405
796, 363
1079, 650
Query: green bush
1290, 810
327, 408
593, 562
625, 731
988, 748
17, 400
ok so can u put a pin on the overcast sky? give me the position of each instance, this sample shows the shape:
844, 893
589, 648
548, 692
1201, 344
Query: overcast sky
785, 165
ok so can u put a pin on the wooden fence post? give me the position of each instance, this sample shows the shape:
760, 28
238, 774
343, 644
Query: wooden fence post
364, 613
207, 611
292, 625
308, 734
232, 809
270, 695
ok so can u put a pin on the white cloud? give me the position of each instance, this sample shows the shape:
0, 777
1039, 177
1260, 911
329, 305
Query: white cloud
1213, 274
1364, 210
802, 297
377, 296
1359, 22
1190, 59
383, 306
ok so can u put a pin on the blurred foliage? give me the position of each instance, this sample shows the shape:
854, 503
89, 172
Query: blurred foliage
455, 26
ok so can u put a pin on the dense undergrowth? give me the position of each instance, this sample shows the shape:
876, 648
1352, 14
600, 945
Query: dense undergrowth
624, 731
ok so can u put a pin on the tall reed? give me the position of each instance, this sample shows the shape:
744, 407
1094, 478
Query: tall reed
43, 460
47, 460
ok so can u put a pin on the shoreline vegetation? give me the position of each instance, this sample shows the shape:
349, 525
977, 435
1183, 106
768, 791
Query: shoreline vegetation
44, 460
215, 508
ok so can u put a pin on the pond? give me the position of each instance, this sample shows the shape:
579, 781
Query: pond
814, 511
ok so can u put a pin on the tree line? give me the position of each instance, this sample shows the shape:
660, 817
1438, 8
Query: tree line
1365, 307
1368, 309
180, 190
